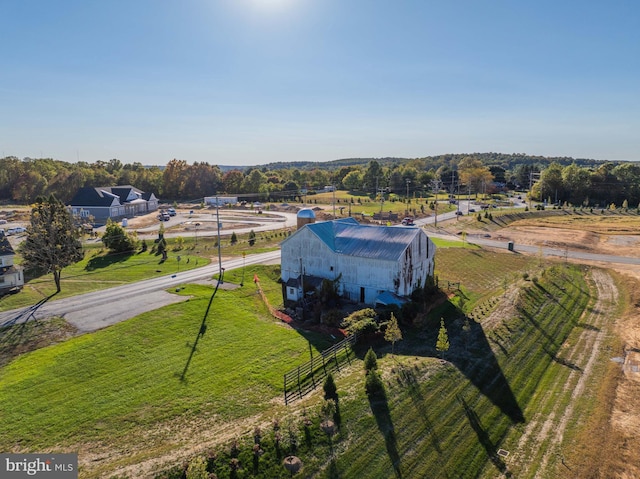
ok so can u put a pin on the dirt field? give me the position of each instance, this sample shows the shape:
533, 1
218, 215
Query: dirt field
609, 445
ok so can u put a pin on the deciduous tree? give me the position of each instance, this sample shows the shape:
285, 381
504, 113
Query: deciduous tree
116, 239
392, 333
52, 241
442, 345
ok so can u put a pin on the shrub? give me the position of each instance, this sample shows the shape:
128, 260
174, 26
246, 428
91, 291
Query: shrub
362, 321
197, 469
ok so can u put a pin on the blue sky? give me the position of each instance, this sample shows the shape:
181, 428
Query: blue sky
244, 82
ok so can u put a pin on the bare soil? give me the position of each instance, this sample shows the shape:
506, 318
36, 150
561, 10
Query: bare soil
609, 444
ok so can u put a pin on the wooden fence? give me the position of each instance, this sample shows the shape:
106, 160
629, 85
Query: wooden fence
302, 380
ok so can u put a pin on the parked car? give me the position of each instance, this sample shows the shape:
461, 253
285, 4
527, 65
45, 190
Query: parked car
459, 213
164, 216
407, 221
3, 222
171, 212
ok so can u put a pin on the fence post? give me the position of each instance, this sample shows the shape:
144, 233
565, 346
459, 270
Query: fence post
285, 390
299, 388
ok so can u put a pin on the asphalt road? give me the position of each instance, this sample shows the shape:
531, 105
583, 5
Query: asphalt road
98, 309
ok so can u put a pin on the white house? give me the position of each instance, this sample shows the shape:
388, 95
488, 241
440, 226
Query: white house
373, 263
11, 276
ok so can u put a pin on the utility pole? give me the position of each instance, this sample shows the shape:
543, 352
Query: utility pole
333, 186
435, 184
408, 182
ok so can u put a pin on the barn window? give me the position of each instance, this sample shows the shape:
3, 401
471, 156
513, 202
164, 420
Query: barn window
330, 268
292, 291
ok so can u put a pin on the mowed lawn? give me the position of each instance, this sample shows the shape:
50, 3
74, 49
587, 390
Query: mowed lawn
134, 375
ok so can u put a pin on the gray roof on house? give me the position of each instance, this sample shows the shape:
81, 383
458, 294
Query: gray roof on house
89, 196
5, 247
105, 195
348, 237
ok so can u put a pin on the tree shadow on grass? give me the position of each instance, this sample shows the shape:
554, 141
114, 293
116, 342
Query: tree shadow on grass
408, 378
26, 314
110, 259
484, 439
380, 409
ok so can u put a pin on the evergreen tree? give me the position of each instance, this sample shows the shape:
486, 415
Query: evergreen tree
52, 242
370, 361
330, 389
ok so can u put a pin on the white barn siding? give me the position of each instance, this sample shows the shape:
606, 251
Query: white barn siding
362, 278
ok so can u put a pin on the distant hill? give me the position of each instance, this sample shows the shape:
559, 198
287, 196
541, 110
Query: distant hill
505, 160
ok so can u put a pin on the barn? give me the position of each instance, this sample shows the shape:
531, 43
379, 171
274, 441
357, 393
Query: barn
373, 264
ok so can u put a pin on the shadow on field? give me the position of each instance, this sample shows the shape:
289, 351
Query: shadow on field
27, 313
483, 438
104, 261
470, 352
202, 330
472, 355
380, 409
410, 380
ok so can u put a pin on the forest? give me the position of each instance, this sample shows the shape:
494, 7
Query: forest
557, 180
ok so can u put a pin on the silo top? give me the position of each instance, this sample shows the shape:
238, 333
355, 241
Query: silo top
306, 213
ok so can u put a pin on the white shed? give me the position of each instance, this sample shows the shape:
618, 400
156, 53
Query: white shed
370, 260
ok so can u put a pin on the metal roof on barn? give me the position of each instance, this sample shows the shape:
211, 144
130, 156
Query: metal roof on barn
348, 237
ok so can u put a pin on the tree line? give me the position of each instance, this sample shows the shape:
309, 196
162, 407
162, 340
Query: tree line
565, 180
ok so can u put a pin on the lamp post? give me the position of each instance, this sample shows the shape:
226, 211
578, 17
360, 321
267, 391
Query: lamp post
196, 225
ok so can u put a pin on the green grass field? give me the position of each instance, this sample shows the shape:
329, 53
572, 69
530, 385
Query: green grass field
136, 378
134, 375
